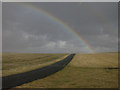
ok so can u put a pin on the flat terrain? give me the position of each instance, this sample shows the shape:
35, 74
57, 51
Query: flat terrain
14, 63
84, 71
26, 77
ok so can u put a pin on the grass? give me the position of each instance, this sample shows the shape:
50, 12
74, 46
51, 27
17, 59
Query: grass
84, 71
13, 63
100, 60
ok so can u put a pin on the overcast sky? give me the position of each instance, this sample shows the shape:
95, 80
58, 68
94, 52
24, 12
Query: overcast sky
26, 29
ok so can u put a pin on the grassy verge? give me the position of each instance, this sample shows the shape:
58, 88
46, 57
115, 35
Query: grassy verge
13, 63
84, 71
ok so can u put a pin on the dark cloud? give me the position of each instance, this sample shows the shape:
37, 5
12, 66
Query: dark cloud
26, 29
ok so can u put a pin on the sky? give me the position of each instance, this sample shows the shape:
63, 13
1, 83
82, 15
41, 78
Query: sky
29, 30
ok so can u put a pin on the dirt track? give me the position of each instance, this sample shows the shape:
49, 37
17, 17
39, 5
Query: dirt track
22, 78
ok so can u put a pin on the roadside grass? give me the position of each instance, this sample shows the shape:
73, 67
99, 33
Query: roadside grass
13, 63
99, 60
84, 71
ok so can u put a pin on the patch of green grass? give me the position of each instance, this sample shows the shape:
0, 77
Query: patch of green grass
13, 63
84, 71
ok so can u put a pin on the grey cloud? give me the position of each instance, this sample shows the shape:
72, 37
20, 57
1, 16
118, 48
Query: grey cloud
28, 30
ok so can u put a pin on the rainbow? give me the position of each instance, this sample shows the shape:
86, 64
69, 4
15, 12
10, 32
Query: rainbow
56, 19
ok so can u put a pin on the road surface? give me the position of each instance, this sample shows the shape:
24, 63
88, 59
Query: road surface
26, 77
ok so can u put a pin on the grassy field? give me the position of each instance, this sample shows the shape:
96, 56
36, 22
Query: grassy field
13, 63
84, 71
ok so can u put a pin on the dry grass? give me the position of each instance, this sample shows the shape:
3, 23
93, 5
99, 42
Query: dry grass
84, 71
100, 60
13, 63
